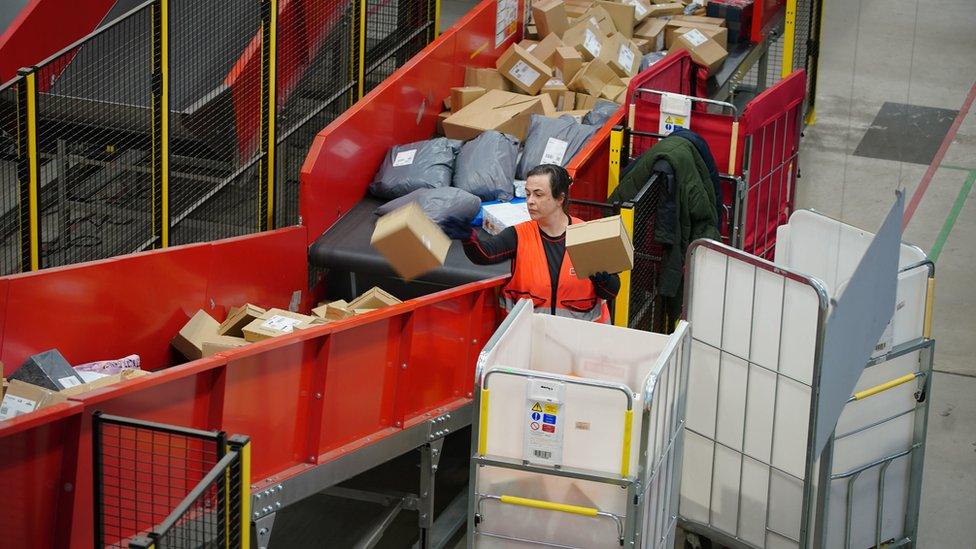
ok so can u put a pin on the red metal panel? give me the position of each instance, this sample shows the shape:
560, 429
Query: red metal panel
763, 12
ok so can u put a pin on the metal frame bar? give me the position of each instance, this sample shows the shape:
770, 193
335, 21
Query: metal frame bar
160, 221
269, 70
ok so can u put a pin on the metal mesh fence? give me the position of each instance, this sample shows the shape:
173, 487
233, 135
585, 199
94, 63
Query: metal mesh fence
204, 521
646, 310
215, 119
94, 145
12, 153
143, 472
805, 48
396, 30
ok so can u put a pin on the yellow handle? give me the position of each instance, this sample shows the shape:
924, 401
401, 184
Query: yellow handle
861, 395
483, 424
625, 453
550, 506
929, 298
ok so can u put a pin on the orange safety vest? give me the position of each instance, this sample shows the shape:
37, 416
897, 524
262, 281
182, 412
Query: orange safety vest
575, 298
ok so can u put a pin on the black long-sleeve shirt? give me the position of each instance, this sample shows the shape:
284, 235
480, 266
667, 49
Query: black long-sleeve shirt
485, 249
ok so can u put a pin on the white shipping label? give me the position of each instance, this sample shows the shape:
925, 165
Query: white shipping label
625, 57
13, 406
69, 381
506, 20
639, 10
696, 37
555, 82
591, 43
675, 112
525, 74
281, 323
404, 158
531, 47
594, 21
555, 151
659, 45
544, 422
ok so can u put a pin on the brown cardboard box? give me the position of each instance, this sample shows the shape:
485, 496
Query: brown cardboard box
613, 93
593, 77
108, 380
576, 114
410, 241
189, 340
704, 50
624, 16
601, 18
585, 101
661, 2
440, 121
601, 245
661, 10
547, 48
528, 45
221, 344
447, 103
567, 61
464, 96
274, 323
550, 18
238, 318
587, 38
621, 55
523, 70
564, 101
531, 32
24, 398
554, 88
652, 30
714, 21
719, 34
373, 299
497, 110
489, 79
643, 45
642, 9
336, 310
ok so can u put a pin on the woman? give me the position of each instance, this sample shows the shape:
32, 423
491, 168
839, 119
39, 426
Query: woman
541, 269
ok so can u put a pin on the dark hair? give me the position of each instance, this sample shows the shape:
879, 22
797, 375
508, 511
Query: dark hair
559, 181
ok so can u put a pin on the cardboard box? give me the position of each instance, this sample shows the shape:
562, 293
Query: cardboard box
373, 299
587, 38
497, 110
498, 217
593, 77
719, 34
562, 98
274, 323
464, 96
221, 344
238, 318
529, 45
585, 101
547, 48
490, 79
336, 310
652, 30
713, 21
601, 245
550, 18
49, 370
662, 10
447, 103
531, 32
105, 381
24, 398
567, 61
410, 241
643, 45
623, 16
598, 16
576, 114
704, 50
613, 93
189, 340
621, 55
642, 9
523, 70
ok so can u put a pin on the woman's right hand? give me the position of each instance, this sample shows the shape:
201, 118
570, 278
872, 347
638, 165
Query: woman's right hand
456, 228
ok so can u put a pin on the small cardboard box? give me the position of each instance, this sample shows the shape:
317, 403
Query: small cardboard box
601, 18
643, 45
703, 49
567, 61
274, 323
642, 9
614, 93
585, 101
601, 245
621, 55
547, 48
24, 398
550, 18
49, 370
220, 344
523, 70
714, 21
576, 114
497, 110
719, 34
336, 310
498, 217
555, 88
564, 99
624, 16
373, 299
238, 318
587, 38
661, 10
593, 77
489, 79
105, 381
652, 30
189, 340
410, 241
529, 45
464, 96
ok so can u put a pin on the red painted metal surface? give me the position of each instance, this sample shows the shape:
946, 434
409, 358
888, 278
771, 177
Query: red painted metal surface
763, 12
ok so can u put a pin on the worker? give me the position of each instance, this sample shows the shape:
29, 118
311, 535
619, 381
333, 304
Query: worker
541, 269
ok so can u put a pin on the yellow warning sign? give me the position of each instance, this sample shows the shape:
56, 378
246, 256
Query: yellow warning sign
551, 408
536, 407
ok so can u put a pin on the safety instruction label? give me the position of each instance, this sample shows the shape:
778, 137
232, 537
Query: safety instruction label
625, 57
281, 323
695, 37
675, 113
544, 422
591, 43
404, 158
506, 20
555, 151
68, 381
13, 406
525, 74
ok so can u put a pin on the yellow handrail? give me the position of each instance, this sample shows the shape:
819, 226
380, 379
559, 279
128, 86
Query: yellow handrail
861, 395
550, 506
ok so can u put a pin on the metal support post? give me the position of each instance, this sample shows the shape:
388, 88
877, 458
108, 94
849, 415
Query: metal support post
269, 137
430, 456
262, 530
27, 174
159, 220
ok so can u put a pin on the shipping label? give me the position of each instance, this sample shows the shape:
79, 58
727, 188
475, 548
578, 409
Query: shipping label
544, 422
506, 20
68, 382
13, 406
591, 43
404, 158
639, 10
695, 37
281, 323
625, 57
525, 74
555, 151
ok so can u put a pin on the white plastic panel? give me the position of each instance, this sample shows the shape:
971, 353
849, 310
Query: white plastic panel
736, 336
696, 478
759, 413
798, 344
785, 504
766, 324
702, 388
733, 379
752, 510
791, 424
707, 301
725, 488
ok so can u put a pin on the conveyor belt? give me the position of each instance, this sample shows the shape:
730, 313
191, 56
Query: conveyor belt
346, 247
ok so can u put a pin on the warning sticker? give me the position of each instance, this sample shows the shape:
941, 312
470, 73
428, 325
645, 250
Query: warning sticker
625, 57
281, 323
506, 20
555, 151
404, 158
544, 415
675, 112
525, 74
13, 406
591, 43
695, 37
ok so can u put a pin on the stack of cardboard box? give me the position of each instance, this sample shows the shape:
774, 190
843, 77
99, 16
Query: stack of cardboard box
575, 52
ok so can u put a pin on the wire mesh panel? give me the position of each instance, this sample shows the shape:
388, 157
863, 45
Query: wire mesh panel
215, 119
395, 30
316, 83
806, 45
94, 145
203, 519
12, 154
143, 471
646, 304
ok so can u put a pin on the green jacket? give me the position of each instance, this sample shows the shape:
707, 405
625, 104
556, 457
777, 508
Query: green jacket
690, 207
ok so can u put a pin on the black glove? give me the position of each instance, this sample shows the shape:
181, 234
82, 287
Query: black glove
456, 228
600, 279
